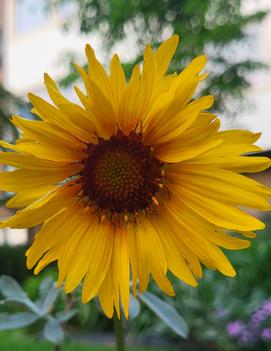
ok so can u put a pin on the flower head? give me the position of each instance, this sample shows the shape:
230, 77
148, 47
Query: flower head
266, 334
266, 308
235, 329
135, 182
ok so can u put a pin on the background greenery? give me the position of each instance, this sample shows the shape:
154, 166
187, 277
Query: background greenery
17, 341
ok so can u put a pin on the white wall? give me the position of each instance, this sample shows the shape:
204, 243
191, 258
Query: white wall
29, 54
258, 117
13, 236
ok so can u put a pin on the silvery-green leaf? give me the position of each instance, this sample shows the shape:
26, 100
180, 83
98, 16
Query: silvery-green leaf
16, 320
14, 293
45, 286
166, 313
49, 299
53, 331
10, 288
64, 316
134, 307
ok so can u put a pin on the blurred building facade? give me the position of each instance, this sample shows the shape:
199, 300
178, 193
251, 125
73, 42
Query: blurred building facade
35, 43
1, 40
257, 117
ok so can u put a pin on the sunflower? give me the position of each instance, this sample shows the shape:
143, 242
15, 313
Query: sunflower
135, 182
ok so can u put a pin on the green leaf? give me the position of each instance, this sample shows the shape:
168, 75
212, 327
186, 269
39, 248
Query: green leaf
17, 320
134, 307
53, 331
166, 313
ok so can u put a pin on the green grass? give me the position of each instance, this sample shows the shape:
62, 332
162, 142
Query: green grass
17, 341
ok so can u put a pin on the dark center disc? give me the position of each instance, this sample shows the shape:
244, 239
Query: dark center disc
121, 175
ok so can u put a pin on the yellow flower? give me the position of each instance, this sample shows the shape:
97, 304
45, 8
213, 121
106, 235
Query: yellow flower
136, 183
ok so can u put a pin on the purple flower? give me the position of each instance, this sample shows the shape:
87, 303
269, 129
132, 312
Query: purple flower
266, 334
255, 330
266, 307
258, 317
235, 329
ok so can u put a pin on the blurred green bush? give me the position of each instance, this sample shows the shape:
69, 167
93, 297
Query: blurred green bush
12, 262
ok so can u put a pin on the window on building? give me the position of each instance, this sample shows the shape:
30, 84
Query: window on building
29, 15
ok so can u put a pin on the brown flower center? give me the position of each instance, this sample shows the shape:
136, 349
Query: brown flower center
121, 176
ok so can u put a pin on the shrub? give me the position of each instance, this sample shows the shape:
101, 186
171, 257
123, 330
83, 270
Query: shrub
12, 262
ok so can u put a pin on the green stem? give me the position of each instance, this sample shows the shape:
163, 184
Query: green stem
57, 348
119, 333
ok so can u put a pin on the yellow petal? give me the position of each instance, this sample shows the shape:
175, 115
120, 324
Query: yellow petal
45, 133
48, 258
249, 234
172, 122
97, 73
121, 267
58, 118
103, 112
175, 89
152, 257
134, 258
126, 117
73, 263
165, 53
199, 138
221, 214
28, 161
53, 234
222, 186
117, 79
26, 197
177, 151
240, 164
100, 253
106, 294
23, 179
227, 241
208, 252
145, 96
43, 208
238, 136
87, 99
175, 261
46, 151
